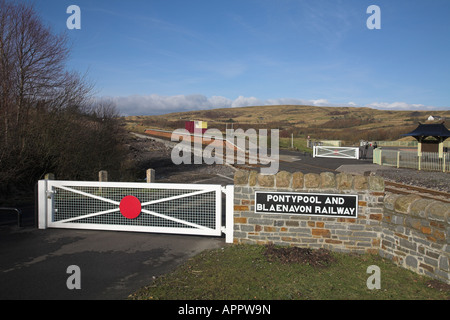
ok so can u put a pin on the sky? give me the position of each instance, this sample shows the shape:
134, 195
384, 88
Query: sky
159, 56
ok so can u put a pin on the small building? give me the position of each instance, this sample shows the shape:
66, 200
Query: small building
435, 118
196, 126
430, 137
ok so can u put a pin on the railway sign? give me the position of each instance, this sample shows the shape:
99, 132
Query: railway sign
326, 205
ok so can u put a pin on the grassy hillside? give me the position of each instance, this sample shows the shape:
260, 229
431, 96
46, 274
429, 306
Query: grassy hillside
341, 123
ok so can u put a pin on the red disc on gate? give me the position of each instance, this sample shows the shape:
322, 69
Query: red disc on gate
130, 207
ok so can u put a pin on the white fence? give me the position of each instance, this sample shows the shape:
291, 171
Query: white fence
138, 207
336, 152
429, 161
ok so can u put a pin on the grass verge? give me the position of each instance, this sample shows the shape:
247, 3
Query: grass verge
299, 144
248, 272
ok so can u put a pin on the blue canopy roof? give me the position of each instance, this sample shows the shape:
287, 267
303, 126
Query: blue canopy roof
436, 130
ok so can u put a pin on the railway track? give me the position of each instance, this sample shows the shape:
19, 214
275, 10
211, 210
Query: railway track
400, 188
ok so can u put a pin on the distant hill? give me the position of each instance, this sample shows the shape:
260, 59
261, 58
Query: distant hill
342, 123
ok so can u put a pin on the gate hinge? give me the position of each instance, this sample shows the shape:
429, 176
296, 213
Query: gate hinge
49, 193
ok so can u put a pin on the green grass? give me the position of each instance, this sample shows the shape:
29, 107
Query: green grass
242, 272
299, 144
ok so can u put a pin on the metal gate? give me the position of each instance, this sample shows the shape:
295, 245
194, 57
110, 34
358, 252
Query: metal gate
140, 207
336, 152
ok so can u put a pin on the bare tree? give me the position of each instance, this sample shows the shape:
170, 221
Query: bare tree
48, 121
6, 65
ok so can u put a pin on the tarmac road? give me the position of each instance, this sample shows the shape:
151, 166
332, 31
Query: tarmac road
113, 265
293, 161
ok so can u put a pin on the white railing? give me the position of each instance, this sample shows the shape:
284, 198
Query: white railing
429, 161
336, 152
407, 143
138, 207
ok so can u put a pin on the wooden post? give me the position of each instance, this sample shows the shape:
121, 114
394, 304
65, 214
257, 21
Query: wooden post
103, 176
441, 149
150, 175
443, 162
49, 176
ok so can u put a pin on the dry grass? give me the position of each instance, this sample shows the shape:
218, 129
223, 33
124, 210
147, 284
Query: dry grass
342, 123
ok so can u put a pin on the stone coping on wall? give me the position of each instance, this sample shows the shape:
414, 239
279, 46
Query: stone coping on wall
416, 206
301, 181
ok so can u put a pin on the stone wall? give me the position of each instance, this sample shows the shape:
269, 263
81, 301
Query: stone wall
412, 232
416, 234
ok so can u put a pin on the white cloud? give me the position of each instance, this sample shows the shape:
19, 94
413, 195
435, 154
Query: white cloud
155, 104
220, 102
287, 101
320, 102
398, 106
246, 102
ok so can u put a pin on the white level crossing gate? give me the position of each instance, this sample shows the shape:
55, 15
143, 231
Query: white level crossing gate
336, 152
139, 207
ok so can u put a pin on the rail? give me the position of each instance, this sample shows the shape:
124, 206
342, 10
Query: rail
405, 189
17, 211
